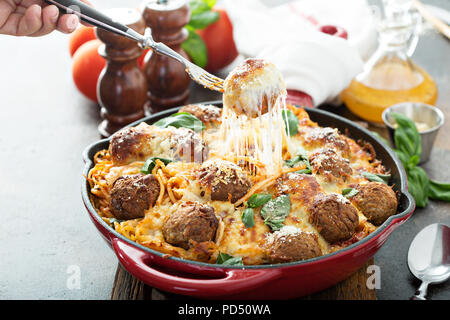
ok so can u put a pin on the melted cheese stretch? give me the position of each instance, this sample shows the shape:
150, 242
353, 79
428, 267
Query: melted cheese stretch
252, 119
232, 237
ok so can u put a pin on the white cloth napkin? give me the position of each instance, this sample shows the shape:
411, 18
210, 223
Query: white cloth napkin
310, 61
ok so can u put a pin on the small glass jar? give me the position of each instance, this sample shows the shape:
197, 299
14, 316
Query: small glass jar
390, 76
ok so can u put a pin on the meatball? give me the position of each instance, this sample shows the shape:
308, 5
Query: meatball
205, 113
130, 144
334, 217
330, 164
376, 200
290, 244
252, 86
188, 145
328, 137
192, 222
225, 180
132, 195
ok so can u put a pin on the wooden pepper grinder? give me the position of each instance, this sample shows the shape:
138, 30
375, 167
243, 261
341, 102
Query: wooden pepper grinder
122, 87
168, 83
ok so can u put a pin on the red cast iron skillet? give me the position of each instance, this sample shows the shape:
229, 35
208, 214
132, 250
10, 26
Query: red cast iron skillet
275, 281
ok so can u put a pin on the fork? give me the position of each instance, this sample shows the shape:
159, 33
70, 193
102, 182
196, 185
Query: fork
100, 20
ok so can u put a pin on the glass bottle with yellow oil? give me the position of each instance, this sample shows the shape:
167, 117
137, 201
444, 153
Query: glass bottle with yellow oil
390, 76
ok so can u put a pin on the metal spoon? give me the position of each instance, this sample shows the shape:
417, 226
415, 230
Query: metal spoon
429, 257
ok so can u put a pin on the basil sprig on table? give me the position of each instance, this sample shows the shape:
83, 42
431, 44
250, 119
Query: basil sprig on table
150, 164
201, 17
181, 120
409, 148
275, 211
255, 201
226, 259
299, 159
291, 122
349, 192
377, 177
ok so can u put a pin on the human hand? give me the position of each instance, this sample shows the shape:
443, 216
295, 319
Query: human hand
34, 18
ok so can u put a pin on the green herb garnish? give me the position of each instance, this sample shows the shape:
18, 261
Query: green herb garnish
226, 259
181, 120
150, 164
408, 147
291, 122
201, 17
349, 192
258, 199
248, 217
275, 211
377, 177
196, 48
300, 159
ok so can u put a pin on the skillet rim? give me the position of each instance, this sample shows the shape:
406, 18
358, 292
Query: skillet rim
403, 190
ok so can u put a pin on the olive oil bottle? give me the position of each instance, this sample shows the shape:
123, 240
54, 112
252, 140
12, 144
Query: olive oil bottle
390, 76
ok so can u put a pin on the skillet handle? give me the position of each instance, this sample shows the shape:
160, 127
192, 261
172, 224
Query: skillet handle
231, 281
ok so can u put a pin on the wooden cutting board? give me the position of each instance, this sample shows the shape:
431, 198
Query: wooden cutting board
127, 287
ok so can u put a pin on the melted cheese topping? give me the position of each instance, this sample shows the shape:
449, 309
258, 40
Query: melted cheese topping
252, 118
251, 134
232, 236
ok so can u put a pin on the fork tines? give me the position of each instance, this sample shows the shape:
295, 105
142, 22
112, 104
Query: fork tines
204, 78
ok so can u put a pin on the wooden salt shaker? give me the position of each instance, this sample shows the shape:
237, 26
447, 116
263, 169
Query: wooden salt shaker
168, 83
122, 87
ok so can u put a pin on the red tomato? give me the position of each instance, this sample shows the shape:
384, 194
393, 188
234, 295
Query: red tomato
82, 35
219, 41
86, 68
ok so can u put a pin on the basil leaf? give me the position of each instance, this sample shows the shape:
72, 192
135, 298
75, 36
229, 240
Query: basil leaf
275, 211
112, 220
195, 47
291, 122
439, 190
304, 171
258, 199
377, 177
248, 218
203, 19
376, 134
298, 160
210, 3
275, 225
406, 136
349, 192
181, 120
418, 185
412, 162
226, 259
198, 6
150, 164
